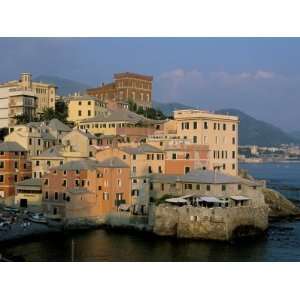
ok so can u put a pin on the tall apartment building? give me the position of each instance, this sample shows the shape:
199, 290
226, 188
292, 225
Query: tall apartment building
218, 132
45, 93
16, 102
126, 86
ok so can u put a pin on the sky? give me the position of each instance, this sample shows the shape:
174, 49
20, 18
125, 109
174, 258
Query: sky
260, 76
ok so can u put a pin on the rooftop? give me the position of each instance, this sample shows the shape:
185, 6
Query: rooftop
143, 148
11, 147
133, 75
113, 162
84, 164
37, 182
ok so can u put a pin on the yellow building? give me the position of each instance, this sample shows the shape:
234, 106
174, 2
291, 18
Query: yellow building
44, 92
218, 132
83, 107
118, 122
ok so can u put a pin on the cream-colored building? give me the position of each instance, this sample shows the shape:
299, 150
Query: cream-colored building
76, 145
16, 102
36, 137
218, 132
45, 93
83, 107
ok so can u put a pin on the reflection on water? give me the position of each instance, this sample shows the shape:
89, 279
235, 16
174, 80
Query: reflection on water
282, 243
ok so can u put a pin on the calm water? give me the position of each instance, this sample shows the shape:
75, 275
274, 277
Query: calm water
281, 243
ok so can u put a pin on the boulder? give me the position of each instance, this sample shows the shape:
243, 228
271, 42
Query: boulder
280, 206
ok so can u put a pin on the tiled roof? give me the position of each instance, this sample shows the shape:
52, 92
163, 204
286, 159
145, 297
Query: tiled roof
56, 124
30, 182
143, 148
84, 164
113, 162
11, 147
54, 151
79, 190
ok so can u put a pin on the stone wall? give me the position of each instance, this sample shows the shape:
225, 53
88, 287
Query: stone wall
209, 223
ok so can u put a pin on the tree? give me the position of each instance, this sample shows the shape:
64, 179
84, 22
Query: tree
22, 119
48, 114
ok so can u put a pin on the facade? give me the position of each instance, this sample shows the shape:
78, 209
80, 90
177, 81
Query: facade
83, 107
217, 132
126, 87
86, 189
29, 194
45, 93
36, 137
16, 102
14, 167
120, 122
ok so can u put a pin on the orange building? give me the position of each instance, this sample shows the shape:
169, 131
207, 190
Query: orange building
180, 159
126, 86
86, 188
14, 167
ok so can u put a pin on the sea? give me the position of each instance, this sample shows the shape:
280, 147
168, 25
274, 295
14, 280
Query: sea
281, 242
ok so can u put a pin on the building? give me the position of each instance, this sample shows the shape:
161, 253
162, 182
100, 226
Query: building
126, 87
204, 183
29, 194
83, 107
36, 137
124, 123
86, 189
218, 132
14, 167
16, 102
45, 93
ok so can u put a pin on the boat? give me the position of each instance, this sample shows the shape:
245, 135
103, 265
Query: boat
38, 218
11, 209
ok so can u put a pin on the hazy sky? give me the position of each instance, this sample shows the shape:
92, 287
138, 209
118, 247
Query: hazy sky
258, 76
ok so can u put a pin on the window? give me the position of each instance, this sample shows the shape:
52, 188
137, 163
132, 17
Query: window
56, 195
65, 172
151, 186
37, 163
187, 156
215, 126
233, 140
223, 187
239, 187
30, 141
39, 142
79, 113
105, 196
149, 169
233, 127
1, 164
188, 186
119, 183
208, 187
48, 163
233, 166
187, 170
134, 157
233, 154
224, 126
195, 125
173, 155
224, 166
89, 102
195, 139
148, 156
89, 113
64, 183
162, 187
205, 125
159, 169
79, 103
99, 187
1, 178
134, 169
46, 181
124, 156
16, 178
46, 195
198, 187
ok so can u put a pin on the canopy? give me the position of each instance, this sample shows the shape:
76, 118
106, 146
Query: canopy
211, 200
176, 200
239, 198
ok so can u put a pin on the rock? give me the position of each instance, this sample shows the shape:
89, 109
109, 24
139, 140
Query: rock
280, 206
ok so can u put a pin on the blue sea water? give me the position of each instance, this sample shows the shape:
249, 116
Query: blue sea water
281, 243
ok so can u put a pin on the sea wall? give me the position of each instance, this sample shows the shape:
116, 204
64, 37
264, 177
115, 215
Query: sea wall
210, 223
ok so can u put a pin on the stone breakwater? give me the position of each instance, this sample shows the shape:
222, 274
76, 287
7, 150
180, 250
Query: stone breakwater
211, 224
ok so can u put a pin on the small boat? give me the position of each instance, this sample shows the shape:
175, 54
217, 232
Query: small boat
38, 218
11, 209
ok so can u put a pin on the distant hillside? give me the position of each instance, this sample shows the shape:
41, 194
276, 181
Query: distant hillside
65, 86
168, 108
295, 135
255, 132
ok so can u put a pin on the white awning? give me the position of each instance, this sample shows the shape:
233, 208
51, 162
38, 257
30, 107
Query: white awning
176, 200
124, 207
239, 198
211, 200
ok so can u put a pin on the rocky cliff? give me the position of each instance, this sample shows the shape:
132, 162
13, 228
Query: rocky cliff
279, 205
